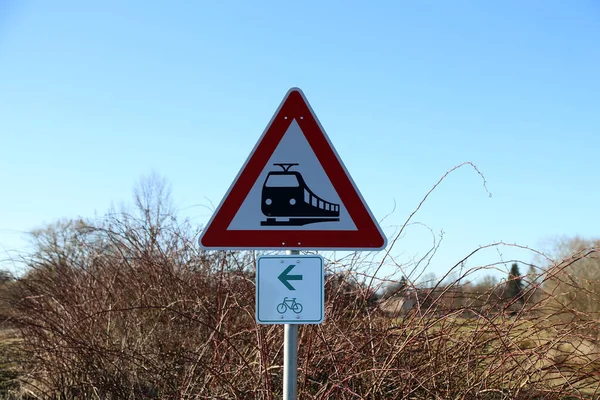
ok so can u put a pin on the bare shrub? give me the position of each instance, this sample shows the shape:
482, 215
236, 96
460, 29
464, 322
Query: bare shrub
574, 285
126, 307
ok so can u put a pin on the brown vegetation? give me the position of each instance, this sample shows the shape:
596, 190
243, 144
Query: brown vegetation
128, 308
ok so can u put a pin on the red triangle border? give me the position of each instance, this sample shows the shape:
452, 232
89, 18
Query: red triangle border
367, 236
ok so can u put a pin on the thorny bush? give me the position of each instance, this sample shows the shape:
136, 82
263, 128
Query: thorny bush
127, 307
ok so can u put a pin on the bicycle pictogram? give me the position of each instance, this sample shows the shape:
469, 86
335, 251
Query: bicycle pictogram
289, 303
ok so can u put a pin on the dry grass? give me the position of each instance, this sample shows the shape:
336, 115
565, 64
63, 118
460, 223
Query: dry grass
9, 358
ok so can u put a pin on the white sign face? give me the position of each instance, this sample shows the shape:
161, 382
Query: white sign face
292, 167
290, 290
293, 192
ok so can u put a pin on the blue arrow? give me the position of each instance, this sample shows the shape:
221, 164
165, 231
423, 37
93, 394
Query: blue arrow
285, 278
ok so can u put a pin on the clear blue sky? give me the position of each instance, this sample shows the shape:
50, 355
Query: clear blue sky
95, 94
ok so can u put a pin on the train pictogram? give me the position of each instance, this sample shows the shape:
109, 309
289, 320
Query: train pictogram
287, 200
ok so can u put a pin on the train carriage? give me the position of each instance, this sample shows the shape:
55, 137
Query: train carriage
286, 199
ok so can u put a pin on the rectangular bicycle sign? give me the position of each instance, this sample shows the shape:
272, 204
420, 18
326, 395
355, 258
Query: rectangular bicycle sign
290, 290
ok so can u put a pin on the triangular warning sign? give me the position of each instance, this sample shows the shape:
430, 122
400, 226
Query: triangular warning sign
293, 192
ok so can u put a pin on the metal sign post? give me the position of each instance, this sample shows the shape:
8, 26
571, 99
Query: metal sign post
293, 192
290, 291
290, 356
290, 362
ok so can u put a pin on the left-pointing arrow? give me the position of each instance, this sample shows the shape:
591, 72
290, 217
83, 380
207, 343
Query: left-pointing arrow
284, 277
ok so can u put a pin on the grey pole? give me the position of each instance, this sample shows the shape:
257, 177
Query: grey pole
290, 356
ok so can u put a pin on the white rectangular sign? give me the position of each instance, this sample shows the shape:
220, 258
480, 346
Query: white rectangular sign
290, 290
